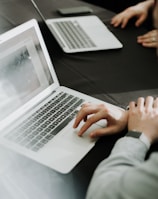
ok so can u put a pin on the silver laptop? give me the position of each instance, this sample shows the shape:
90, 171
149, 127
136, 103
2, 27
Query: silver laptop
81, 34
36, 113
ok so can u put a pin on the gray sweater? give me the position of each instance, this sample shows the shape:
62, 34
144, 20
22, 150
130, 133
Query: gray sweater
125, 174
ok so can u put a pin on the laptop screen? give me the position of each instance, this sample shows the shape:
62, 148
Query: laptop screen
24, 71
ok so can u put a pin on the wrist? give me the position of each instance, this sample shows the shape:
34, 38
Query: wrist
146, 5
141, 136
149, 3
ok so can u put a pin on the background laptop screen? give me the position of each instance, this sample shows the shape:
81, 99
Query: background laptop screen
23, 71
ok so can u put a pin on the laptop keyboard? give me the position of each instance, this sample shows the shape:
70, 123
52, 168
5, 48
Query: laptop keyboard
74, 35
45, 123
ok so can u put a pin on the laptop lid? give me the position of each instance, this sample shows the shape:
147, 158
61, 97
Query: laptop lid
23, 47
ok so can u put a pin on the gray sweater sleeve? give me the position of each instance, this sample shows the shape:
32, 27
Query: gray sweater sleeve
125, 174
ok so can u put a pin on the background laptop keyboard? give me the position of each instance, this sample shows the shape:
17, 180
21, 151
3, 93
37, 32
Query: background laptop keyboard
45, 123
74, 35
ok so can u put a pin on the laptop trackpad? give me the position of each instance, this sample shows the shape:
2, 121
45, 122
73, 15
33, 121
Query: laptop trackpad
72, 135
67, 149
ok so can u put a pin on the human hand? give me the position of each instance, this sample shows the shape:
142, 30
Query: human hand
92, 113
140, 11
143, 117
150, 39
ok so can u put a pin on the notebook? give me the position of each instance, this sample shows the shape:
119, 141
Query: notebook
81, 33
36, 113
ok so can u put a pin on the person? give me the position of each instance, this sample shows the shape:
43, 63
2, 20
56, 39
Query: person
125, 174
140, 11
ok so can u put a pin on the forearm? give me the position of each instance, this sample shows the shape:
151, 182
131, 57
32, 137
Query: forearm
106, 182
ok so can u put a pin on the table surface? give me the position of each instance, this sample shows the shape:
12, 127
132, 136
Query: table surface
115, 76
